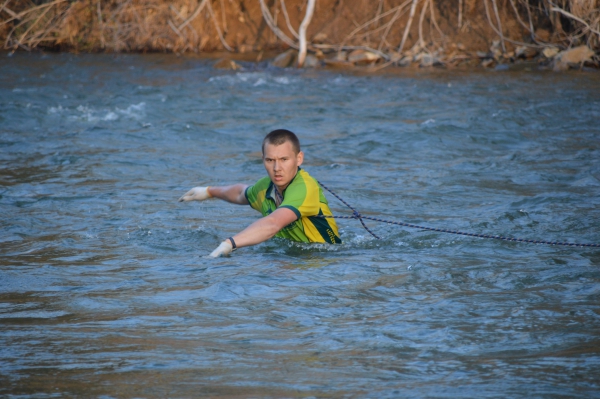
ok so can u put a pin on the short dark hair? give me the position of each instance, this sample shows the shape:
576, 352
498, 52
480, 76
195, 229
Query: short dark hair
280, 136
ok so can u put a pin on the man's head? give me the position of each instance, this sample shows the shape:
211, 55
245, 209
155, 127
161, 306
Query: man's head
280, 136
282, 157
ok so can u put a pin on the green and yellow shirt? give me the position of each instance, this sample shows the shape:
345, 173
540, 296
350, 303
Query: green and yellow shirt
305, 198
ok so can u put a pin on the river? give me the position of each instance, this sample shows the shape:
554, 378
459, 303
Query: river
106, 290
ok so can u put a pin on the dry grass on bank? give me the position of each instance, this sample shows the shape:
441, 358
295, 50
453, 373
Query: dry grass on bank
389, 28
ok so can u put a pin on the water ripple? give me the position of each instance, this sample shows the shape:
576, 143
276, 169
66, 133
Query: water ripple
106, 290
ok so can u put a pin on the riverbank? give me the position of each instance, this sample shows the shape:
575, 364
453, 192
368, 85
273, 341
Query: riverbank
579, 58
376, 35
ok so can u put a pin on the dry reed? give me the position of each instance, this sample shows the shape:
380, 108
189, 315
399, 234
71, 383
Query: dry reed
206, 25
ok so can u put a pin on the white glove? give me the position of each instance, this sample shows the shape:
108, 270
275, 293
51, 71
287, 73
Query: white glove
196, 194
223, 249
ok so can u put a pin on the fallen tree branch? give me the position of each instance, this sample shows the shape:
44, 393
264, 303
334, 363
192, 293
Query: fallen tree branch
287, 19
361, 27
20, 15
514, 7
568, 14
8, 10
413, 8
421, 18
388, 26
499, 26
178, 32
223, 18
190, 27
379, 8
34, 39
212, 14
302, 32
374, 31
194, 15
433, 19
507, 39
489, 18
19, 42
101, 21
269, 20
344, 48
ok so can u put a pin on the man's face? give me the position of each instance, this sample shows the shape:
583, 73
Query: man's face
281, 163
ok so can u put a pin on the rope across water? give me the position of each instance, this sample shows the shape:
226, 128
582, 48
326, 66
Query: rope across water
357, 215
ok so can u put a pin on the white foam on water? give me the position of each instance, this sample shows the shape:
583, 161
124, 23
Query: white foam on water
246, 76
340, 80
85, 114
39, 314
26, 90
90, 114
135, 111
586, 181
111, 116
254, 78
282, 80
55, 110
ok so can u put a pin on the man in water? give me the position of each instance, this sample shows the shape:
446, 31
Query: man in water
290, 200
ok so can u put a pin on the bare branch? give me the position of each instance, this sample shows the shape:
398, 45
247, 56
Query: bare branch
20, 40
177, 31
287, 19
499, 25
344, 48
413, 7
514, 7
8, 10
212, 14
568, 14
269, 20
101, 21
422, 17
223, 19
433, 19
487, 12
20, 15
361, 27
489, 18
194, 15
302, 31
388, 26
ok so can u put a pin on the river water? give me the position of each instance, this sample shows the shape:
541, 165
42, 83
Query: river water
106, 291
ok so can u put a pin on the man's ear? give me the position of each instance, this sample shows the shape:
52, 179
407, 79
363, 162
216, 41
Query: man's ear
300, 158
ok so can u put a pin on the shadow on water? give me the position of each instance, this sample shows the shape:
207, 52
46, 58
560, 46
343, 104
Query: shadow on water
106, 290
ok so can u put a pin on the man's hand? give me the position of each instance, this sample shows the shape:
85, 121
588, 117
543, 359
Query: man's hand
196, 194
223, 249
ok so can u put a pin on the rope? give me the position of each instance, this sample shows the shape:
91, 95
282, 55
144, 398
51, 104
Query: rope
357, 215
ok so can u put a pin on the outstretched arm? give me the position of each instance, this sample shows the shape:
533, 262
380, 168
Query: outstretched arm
259, 231
234, 194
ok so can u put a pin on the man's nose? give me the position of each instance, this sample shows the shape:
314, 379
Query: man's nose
276, 165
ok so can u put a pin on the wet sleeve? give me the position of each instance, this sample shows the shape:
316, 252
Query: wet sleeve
252, 197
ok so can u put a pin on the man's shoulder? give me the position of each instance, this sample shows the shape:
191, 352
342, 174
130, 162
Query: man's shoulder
303, 178
303, 185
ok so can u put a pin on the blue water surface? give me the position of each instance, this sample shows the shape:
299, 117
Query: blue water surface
106, 290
